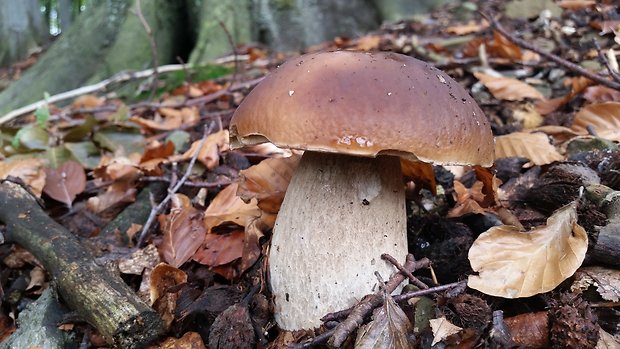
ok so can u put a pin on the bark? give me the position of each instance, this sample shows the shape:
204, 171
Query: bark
98, 295
22, 29
339, 215
104, 40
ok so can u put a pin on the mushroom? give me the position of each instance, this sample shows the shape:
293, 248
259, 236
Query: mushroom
354, 114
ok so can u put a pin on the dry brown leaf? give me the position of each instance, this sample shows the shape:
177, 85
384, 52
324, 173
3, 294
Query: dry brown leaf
65, 182
508, 88
155, 154
28, 170
221, 249
421, 173
215, 144
184, 232
37, 278
226, 213
168, 119
529, 117
607, 341
576, 4
87, 101
442, 329
578, 84
117, 194
267, 182
389, 328
559, 134
534, 146
162, 277
504, 48
514, 264
470, 27
190, 340
368, 42
467, 199
606, 281
598, 94
118, 168
529, 330
604, 118
138, 261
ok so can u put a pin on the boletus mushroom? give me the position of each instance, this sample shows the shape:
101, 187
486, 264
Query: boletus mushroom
354, 114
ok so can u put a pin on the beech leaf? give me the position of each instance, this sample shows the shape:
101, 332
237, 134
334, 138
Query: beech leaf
604, 118
514, 264
508, 88
442, 329
534, 146
65, 182
388, 329
184, 232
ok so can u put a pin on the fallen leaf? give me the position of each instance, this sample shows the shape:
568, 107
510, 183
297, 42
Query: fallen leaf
368, 42
578, 84
65, 182
529, 117
504, 48
529, 330
167, 119
388, 329
28, 170
190, 340
606, 281
467, 199
576, 4
533, 146
468, 28
515, 264
164, 276
116, 196
118, 168
87, 101
421, 173
233, 328
508, 88
209, 155
138, 261
607, 341
184, 231
604, 118
598, 94
220, 249
37, 278
442, 329
267, 182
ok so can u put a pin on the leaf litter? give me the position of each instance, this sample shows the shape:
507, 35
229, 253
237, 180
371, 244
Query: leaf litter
214, 237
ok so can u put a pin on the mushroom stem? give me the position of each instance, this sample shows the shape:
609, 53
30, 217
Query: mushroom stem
339, 215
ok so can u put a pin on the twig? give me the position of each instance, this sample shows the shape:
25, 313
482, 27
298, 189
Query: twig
406, 272
187, 184
145, 229
605, 61
323, 337
370, 302
566, 64
152, 43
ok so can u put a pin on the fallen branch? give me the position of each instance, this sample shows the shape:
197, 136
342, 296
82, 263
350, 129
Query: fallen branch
96, 294
323, 337
370, 302
550, 56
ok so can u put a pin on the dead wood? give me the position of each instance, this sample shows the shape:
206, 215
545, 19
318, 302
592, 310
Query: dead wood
98, 295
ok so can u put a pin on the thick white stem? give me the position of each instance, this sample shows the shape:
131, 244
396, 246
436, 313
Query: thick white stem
339, 215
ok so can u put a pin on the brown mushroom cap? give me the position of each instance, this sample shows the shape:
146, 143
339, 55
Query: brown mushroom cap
365, 104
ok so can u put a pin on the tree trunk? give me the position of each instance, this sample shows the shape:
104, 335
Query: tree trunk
104, 40
21, 29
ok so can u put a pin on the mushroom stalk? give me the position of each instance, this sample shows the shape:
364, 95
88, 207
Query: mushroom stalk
339, 215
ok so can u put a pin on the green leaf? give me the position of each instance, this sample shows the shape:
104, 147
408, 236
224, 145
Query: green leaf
86, 153
42, 114
32, 137
80, 132
115, 139
56, 156
179, 138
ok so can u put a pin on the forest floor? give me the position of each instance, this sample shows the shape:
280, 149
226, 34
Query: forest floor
524, 254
